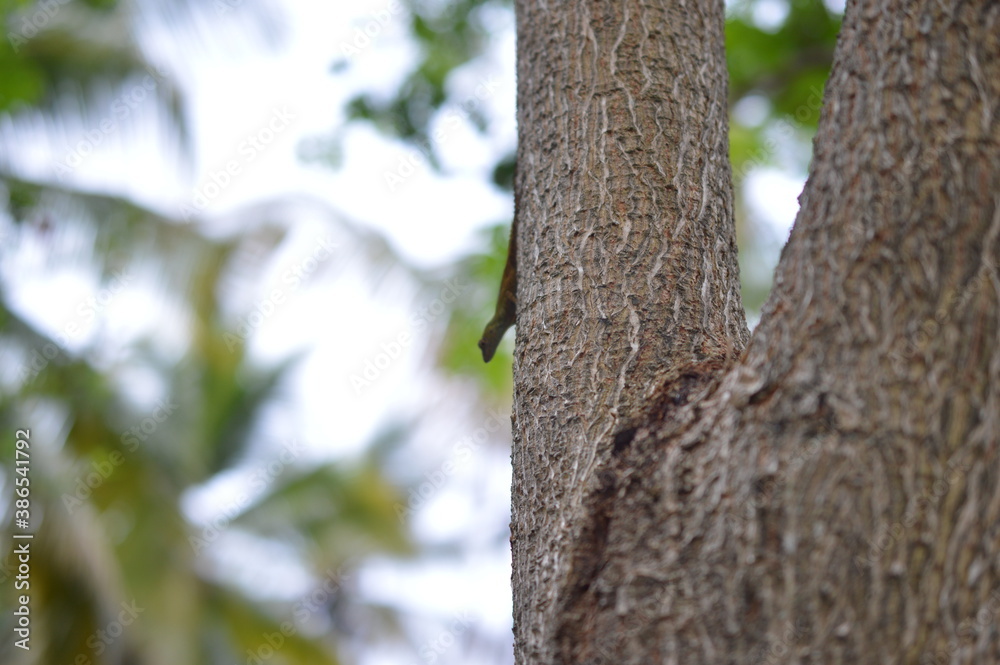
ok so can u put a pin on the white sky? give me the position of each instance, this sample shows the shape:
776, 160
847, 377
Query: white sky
430, 219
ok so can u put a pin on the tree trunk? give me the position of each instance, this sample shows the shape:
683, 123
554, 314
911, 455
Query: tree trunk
832, 495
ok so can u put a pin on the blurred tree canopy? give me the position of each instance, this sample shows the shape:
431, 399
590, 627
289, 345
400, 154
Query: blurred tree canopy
111, 538
109, 484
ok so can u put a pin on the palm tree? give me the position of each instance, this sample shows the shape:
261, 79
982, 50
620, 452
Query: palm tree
119, 572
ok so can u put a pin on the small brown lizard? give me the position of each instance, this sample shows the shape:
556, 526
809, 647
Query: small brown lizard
506, 312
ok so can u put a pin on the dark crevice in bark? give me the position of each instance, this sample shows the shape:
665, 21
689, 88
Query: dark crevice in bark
630, 478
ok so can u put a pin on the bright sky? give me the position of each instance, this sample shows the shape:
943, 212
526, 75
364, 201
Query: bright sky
430, 219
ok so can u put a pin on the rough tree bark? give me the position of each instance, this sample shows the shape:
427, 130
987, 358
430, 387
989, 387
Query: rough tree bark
831, 492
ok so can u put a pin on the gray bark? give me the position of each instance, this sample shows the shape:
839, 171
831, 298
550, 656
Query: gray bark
832, 494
